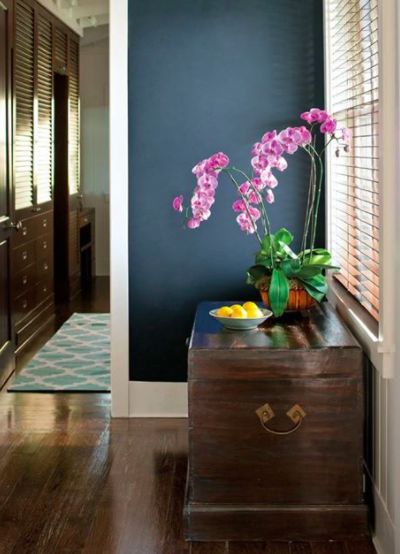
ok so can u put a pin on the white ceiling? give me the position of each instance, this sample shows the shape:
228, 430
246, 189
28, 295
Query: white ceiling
80, 14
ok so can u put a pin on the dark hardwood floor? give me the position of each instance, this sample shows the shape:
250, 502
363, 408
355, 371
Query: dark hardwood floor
73, 480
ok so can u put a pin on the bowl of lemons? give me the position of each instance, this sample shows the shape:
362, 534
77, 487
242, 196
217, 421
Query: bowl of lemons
239, 317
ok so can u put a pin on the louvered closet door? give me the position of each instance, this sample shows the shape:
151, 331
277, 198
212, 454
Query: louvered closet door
44, 139
24, 96
60, 50
74, 126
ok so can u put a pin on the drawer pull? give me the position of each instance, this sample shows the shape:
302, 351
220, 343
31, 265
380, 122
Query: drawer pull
45, 266
24, 255
44, 245
24, 231
24, 304
24, 280
44, 223
296, 414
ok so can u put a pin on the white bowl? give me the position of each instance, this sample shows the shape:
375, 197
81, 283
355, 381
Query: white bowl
241, 324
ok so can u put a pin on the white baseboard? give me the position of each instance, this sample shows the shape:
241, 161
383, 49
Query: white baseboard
384, 536
156, 399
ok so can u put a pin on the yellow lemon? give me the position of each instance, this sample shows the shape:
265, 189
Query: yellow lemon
254, 313
250, 306
225, 311
238, 311
252, 309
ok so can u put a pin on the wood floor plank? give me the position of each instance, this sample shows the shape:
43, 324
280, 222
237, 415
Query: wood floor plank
328, 547
247, 548
28, 471
277, 548
208, 548
361, 546
300, 548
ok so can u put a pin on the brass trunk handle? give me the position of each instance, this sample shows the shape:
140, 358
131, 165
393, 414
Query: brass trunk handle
266, 413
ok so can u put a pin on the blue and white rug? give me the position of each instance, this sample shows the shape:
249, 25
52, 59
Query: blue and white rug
75, 359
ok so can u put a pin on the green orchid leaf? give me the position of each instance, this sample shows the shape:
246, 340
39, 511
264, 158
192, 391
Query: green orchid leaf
319, 256
257, 271
316, 287
278, 291
263, 259
283, 235
284, 248
266, 243
291, 267
308, 271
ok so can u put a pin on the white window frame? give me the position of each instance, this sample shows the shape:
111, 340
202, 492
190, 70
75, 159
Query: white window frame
378, 340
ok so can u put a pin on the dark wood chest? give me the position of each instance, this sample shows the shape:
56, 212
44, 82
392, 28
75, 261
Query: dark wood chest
275, 430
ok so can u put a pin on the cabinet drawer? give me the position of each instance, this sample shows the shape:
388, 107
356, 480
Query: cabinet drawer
45, 268
34, 325
236, 458
24, 304
44, 289
44, 246
44, 223
24, 280
23, 256
32, 227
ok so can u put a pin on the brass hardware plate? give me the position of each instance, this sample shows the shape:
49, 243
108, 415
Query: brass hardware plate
296, 413
265, 413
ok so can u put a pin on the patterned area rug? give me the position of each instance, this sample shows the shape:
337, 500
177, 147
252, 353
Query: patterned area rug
76, 359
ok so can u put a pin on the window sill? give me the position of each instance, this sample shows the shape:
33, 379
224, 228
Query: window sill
363, 326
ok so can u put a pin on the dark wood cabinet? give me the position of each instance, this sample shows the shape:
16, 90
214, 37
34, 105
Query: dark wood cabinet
7, 333
87, 248
43, 48
275, 430
33, 276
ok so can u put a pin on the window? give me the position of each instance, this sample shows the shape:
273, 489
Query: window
352, 91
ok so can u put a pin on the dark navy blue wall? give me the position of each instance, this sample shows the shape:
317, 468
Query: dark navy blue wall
204, 76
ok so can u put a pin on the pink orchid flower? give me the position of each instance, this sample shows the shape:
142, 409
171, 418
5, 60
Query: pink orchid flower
177, 203
268, 154
269, 196
315, 115
258, 184
328, 126
239, 206
193, 223
244, 187
259, 163
268, 179
346, 134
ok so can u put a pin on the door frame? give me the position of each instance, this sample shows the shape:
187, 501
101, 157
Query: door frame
8, 7
119, 186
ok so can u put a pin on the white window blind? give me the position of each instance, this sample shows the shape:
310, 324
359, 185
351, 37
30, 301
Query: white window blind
352, 41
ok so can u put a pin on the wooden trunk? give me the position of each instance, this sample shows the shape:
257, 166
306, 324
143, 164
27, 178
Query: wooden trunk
275, 430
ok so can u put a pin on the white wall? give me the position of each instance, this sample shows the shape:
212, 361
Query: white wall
385, 463
95, 136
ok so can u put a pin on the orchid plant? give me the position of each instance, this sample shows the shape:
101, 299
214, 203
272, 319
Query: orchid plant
277, 265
